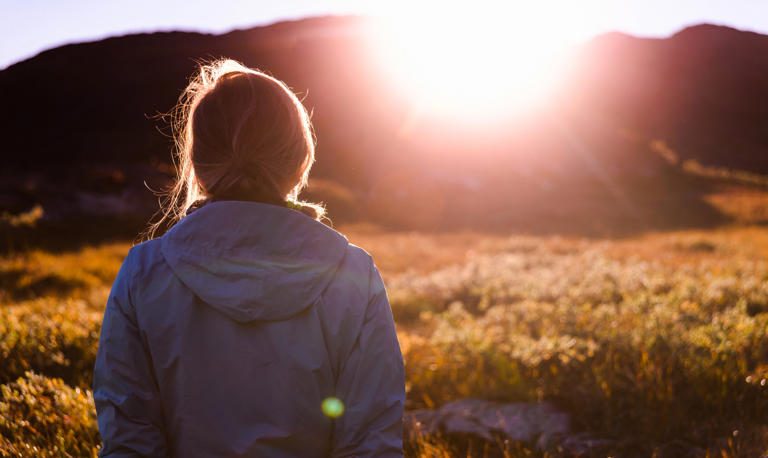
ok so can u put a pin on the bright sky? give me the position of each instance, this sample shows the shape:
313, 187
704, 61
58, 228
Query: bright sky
30, 26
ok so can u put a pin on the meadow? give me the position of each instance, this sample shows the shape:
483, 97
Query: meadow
656, 344
611, 296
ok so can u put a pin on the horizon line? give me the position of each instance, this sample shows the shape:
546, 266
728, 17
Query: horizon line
293, 19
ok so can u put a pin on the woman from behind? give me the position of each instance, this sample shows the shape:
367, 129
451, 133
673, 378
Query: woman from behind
249, 328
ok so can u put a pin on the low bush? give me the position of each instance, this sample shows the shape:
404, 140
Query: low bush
57, 338
659, 345
641, 376
43, 417
73, 274
670, 349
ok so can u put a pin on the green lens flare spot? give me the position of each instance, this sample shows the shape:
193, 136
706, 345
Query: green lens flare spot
332, 407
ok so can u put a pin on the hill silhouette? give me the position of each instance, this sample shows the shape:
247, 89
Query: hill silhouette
80, 135
703, 90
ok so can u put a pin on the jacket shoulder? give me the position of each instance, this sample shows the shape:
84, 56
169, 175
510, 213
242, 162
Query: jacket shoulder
356, 276
145, 253
359, 256
142, 260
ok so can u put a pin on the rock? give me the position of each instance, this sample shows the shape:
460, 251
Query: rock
540, 424
520, 421
754, 308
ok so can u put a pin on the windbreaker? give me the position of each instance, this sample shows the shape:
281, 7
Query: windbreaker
224, 337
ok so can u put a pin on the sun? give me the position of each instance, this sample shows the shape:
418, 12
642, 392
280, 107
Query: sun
481, 60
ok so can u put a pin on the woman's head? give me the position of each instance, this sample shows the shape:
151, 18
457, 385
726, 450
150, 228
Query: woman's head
240, 134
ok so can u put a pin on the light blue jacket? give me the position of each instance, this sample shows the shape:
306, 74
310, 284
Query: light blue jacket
224, 336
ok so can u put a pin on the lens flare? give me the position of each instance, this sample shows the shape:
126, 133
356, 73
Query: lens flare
332, 407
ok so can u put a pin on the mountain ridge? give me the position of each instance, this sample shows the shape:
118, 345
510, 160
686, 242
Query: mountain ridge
96, 103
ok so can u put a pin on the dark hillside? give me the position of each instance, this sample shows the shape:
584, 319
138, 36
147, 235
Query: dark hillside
78, 128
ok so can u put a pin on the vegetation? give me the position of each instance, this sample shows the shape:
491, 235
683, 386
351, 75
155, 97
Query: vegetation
55, 337
80, 274
44, 417
657, 344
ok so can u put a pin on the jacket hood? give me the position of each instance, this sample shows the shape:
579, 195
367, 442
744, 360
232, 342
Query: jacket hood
253, 261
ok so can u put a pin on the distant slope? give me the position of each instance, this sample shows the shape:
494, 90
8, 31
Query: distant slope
79, 117
704, 91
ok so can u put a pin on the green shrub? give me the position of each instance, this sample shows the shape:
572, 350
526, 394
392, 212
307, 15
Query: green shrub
466, 445
660, 344
73, 274
57, 338
642, 351
43, 417
644, 375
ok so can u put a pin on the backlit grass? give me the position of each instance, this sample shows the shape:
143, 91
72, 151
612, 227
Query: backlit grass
658, 343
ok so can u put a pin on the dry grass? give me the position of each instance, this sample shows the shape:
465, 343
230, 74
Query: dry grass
658, 342
745, 205
78, 274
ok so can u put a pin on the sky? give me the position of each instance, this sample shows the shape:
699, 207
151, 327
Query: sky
30, 26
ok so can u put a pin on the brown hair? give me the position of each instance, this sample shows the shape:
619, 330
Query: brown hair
240, 134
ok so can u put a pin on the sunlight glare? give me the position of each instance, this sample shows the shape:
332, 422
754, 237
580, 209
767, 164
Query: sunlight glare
487, 59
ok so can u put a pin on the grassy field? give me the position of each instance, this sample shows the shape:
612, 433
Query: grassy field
657, 343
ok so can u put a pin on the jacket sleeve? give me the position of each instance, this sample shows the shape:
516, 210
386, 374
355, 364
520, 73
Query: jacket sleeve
371, 385
124, 388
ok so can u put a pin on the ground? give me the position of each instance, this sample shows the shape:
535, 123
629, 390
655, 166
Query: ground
656, 343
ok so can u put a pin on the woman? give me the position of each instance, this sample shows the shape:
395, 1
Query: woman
249, 328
